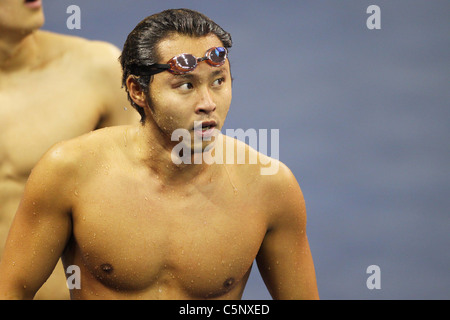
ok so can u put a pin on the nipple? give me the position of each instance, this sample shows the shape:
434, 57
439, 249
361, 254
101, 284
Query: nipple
228, 283
106, 267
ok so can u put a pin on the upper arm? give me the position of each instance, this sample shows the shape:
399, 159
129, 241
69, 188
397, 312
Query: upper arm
284, 260
116, 107
40, 230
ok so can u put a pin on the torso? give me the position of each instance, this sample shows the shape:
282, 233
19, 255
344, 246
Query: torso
135, 237
38, 108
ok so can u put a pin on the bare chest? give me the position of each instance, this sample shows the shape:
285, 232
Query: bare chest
37, 110
200, 244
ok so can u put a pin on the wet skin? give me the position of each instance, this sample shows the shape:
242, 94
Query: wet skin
141, 227
52, 88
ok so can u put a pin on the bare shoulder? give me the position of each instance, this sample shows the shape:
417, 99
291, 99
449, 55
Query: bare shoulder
272, 181
271, 172
96, 140
72, 158
99, 55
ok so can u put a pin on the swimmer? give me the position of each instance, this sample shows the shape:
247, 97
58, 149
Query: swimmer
52, 88
139, 226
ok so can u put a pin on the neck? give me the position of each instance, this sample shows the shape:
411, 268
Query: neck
156, 152
18, 51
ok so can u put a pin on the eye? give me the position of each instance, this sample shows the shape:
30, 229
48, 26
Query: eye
186, 86
218, 82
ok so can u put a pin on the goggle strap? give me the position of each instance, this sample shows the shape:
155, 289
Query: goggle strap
149, 70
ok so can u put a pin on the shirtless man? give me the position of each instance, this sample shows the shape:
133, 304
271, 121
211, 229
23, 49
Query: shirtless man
52, 88
139, 226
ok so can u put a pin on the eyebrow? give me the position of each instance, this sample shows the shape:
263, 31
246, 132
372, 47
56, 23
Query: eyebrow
192, 76
184, 76
218, 72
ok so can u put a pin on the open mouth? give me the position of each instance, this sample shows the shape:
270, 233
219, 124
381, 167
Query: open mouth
207, 125
205, 128
33, 3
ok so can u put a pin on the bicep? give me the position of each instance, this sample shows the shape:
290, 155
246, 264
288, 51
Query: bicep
284, 260
287, 268
39, 233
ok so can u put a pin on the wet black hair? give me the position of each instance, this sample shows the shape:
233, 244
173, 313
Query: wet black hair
140, 48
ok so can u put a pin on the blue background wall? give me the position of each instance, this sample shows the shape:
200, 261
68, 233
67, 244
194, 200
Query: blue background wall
363, 118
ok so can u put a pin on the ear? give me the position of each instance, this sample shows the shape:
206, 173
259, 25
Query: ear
136, 92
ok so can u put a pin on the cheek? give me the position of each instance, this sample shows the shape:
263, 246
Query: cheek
168, 111
168, 120
224, 102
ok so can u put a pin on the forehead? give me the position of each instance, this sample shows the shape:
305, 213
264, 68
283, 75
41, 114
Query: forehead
177, 44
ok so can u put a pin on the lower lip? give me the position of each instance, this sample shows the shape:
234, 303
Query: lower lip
206, 133
34, 5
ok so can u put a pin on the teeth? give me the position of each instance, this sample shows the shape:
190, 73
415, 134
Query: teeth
206, 128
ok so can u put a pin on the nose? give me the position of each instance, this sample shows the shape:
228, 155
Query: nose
206, 103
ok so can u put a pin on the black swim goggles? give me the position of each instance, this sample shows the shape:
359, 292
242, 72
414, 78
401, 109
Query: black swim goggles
186, 62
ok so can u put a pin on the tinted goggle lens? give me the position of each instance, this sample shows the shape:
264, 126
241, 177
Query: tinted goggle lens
185, 61
217, 55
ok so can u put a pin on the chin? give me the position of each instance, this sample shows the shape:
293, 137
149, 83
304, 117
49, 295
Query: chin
29, 27
34, 20
37, 22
